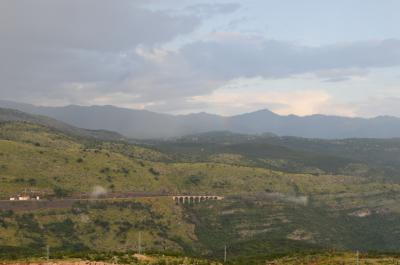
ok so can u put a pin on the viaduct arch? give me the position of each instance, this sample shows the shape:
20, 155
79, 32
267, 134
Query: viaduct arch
195, 198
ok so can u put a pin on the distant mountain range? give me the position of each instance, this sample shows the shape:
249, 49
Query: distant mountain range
142, 124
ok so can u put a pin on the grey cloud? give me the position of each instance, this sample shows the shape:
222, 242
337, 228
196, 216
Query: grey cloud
177, 105
378, 106
233, 24
49, 46
201, 67
341, 75
369, 107
274, 59
337, 79
90, 24
207, 9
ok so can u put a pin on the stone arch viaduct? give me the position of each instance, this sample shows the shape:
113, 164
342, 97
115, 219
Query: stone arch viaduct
197, 198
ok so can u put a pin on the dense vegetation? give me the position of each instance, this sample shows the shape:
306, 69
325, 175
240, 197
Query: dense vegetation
374, 158
281, 196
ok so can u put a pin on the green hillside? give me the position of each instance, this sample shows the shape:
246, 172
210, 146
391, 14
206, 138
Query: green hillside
266, 213
371, 158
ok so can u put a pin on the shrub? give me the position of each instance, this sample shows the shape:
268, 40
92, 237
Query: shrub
28, 222
64, 228
193, 179
60, 192
32, 182
103, 224
105, 170
19, 180
154, 172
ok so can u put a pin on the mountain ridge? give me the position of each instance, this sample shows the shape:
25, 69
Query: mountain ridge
144, 124
12, 115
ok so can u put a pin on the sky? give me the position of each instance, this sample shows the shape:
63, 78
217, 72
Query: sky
304, 57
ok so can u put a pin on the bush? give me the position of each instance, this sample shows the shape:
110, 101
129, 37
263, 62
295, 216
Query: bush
60, 192
32, 182
64, 228
193, 179
28, 223
105, 170
103, 224
3, 223
154, 172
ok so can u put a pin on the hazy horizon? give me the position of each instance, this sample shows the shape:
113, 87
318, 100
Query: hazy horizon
198, 112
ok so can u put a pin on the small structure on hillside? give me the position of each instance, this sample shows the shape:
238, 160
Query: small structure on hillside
25, 197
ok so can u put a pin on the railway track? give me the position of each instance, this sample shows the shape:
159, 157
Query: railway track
31, 205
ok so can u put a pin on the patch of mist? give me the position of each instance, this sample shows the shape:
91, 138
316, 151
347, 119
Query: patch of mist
301, 200
97, 192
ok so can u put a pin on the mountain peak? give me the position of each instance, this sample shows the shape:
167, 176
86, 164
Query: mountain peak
265, 111
257, 114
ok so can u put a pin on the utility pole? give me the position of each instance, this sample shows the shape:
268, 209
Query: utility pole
225, 254
47, 252
358, 258
140, 243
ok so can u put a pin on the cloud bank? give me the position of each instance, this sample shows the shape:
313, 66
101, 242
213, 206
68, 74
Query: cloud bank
106, 52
